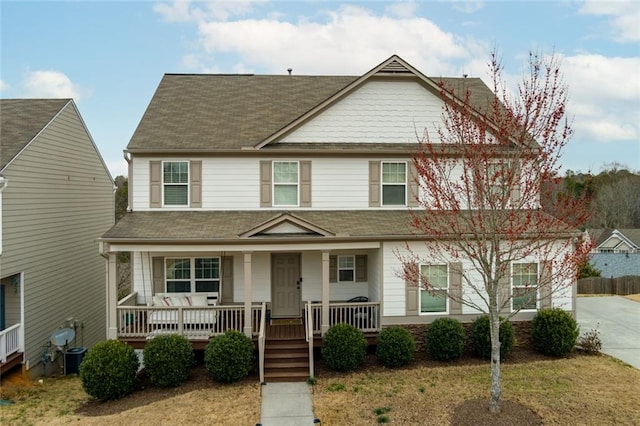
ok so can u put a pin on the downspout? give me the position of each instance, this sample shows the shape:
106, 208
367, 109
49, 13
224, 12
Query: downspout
3, 185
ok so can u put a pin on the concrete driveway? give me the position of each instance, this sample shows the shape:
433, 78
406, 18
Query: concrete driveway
618, 320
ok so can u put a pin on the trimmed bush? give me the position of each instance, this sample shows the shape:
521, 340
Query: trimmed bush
344, 347
229, 357
554, 332
445, 339
108, 370
396, 347
168, 359
481, 337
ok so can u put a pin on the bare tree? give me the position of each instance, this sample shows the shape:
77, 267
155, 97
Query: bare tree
480, 177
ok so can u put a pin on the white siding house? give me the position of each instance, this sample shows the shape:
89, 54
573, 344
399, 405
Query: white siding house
282, 198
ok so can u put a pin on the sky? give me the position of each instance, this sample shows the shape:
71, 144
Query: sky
109, 56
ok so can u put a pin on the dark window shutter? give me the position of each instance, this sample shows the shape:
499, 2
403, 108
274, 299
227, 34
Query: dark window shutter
305, 183
333, 269
411, 281
158, 275
361, 268
504, 291
196, 183
265, 183
414, 188
455, 287
545, 284
226, 296
374, 183
155, 182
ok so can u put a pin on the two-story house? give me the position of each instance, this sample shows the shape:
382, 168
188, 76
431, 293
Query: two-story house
277, 205
56, 200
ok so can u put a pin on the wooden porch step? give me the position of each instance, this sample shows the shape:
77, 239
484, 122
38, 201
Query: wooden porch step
286, 360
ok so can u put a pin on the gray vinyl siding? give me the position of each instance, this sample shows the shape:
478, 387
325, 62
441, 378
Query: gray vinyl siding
59, 200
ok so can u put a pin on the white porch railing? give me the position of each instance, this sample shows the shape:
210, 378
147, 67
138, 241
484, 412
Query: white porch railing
261, 340
364, 316
9, 341
189, 321
308, 331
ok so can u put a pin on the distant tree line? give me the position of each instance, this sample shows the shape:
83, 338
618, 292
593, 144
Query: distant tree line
613, 194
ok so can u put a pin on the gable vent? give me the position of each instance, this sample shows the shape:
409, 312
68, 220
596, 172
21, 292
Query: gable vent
394, 67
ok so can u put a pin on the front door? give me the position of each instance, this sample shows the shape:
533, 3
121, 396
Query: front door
285, 285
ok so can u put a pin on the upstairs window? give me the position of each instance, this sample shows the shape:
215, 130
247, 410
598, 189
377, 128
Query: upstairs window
524, 284
435, 299
394, 184
285, 183
191, 275
175, 182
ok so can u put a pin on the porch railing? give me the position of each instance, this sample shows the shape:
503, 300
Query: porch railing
189, 321
9, 341
261, 340
364, 316
308, 331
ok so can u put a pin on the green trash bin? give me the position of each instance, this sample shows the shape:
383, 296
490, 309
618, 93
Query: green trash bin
73, 358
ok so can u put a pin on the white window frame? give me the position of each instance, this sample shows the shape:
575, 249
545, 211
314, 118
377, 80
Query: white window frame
383, 184
444, 290
353, 268
165, 184
513, 287
274, 183
192, 272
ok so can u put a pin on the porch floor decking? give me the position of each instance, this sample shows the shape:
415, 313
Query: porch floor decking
284, 332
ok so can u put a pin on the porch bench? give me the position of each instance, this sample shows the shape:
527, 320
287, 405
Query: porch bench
169, 305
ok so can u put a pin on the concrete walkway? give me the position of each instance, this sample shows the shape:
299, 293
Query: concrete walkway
286, 404
618, 320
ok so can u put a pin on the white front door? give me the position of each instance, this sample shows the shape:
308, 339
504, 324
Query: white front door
285, 285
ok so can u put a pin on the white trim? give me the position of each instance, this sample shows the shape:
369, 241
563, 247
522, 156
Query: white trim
192, 279
446, 291
286, 247
382, 184
176, 184
511, 286
273, 183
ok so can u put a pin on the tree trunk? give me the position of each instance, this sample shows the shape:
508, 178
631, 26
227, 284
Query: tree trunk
496, 384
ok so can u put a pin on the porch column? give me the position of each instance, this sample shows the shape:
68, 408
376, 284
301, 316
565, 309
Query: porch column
324, 326
112, 296
248, 329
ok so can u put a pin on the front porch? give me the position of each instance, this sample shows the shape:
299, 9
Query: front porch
283, 339
11, 348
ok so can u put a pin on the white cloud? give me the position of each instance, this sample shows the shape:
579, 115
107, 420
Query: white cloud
402, 9
624, 17
3, 86
605, 94
467, 6
188, 11
51, 84
348, 40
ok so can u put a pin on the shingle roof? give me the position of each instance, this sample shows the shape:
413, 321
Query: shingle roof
600, 235
20, 122
226, 226
229, 112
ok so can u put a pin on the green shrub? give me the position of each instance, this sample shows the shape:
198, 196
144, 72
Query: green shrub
344, 347
554, 332
229, 357
396, 347
481, 337
108, 370
445, 339
168, 359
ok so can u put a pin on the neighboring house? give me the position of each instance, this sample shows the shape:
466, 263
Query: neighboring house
56, 199
616, 252
281, 198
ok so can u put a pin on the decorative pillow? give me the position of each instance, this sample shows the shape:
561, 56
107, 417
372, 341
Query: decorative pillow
199, 300
185, 300
176, 300
156, 301
167, 301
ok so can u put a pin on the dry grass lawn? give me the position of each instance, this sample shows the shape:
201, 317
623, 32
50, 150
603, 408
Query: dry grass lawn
582, 389
585, 390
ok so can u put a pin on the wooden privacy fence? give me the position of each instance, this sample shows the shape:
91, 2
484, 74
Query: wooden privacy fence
629, 284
